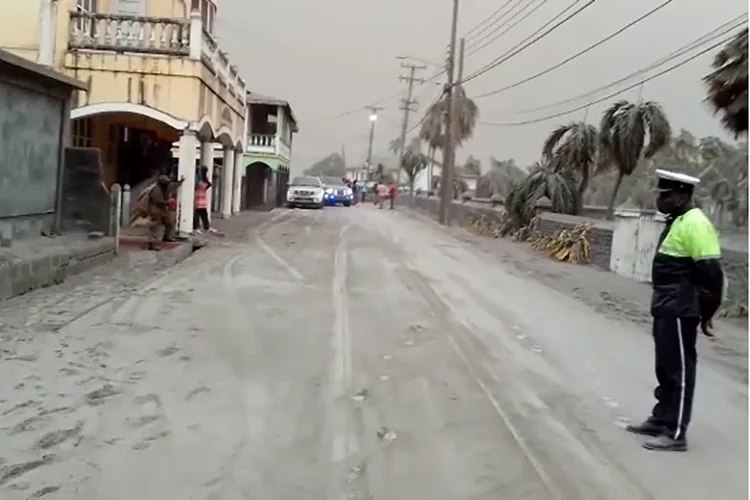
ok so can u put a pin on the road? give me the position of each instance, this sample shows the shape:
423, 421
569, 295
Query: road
344, 354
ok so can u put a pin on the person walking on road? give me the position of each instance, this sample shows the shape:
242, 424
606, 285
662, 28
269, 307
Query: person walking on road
392, 193
688, 288
202, 185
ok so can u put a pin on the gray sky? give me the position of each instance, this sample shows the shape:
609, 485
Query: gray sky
329, 56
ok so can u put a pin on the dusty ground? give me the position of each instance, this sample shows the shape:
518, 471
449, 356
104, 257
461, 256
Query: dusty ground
607, 293
342, 354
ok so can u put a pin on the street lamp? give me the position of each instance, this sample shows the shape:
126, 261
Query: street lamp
373, 119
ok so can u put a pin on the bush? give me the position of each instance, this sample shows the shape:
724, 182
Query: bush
496, 200
465, 197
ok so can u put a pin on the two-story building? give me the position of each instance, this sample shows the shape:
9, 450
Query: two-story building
271, 126
156, 76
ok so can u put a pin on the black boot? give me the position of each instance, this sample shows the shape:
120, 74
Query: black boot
666, 442
646, 428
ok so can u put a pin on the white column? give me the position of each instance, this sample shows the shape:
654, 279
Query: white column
237, 196
227, 183
207, 160
196, 35
46, 33
186, 170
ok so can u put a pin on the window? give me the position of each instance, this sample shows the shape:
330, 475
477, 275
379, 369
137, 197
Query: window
82, 133
85, 25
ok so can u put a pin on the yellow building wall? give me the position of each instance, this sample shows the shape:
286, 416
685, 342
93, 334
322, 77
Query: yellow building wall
20, 31
167, 84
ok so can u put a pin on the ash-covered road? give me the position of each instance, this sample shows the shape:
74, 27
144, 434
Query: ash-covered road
344, 354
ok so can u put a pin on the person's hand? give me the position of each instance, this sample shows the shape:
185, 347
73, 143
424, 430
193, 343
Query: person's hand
708, 328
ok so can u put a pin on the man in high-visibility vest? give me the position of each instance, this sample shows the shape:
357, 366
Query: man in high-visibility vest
688, 288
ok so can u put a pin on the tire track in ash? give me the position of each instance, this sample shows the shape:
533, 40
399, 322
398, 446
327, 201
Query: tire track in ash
257, 233
339, 436
566, 466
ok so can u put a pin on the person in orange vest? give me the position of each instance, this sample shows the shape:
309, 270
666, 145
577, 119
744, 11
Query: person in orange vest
202, 186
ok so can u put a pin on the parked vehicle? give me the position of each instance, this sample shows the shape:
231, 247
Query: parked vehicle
337, 192
305, 191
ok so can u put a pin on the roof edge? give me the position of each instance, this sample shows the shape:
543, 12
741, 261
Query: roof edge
41, 70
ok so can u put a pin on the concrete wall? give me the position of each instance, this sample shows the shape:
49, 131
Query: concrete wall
33, 126
600, 236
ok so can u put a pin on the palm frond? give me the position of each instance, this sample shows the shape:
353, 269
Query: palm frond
727, 84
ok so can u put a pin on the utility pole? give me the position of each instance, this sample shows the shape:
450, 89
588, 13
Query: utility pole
407, 105
446, 181
373, 118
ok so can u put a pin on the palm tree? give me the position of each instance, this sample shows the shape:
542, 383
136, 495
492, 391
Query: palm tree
543, 181
394, 146
572, 149
727, 84
413, 162
623, 134
432, 130
472, 166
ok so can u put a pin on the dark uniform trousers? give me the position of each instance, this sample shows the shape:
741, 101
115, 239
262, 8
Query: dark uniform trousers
676, 360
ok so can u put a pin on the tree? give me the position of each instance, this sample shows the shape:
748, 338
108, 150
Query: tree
727, 84
472, 166
331, 166
629, 132
413, 162
379, 171
499, 178
543, 181
394, 146
432, 130
573, 149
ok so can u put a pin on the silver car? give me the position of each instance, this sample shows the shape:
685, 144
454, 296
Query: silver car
305, 191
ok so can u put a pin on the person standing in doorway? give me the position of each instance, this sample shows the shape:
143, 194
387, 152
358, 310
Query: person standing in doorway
201, 201
688, 288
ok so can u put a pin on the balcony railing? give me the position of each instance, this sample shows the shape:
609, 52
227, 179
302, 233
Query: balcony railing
129, 33
156, 35
262, 143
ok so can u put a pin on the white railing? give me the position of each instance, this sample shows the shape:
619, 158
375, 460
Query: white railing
156, 35
262, 143
123, 33
216, 60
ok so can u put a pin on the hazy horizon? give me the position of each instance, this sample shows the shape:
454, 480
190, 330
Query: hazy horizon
329, 58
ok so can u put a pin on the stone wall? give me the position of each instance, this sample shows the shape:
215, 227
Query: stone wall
600, 237
21, 273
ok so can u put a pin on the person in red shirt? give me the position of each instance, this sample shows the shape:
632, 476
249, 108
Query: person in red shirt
201, 201
392, 193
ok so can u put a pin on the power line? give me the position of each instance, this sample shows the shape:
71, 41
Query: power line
708, 37
479, 46
578, 54
467, 35
614, 94
495, 21
517, 50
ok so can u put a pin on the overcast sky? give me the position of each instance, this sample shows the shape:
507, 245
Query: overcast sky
327, 57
